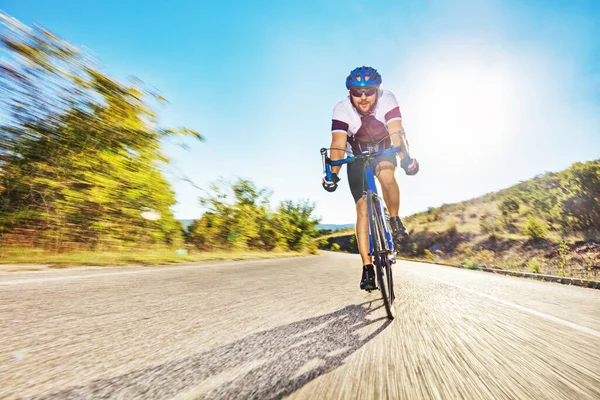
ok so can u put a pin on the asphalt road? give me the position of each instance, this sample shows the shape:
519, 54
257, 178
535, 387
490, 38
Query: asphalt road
296, 327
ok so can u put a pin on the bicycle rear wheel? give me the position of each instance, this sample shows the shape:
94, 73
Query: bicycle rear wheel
380, 254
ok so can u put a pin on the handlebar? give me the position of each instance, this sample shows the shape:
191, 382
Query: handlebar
327, 162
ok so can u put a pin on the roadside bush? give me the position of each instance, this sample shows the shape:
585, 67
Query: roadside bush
484, 257
323, 232
470, 264
534, 266
563, 250
239, 217
430, 256
535, 228
353, 246
312, 248
467, 251
335, 247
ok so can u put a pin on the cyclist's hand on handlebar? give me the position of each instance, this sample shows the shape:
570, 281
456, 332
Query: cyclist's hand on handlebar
410, 166
331, 185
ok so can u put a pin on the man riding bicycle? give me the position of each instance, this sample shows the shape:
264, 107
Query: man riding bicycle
369, 119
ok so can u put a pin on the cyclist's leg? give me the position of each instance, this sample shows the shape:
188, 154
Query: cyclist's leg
389, 185
386, 169
362, 231
355, 181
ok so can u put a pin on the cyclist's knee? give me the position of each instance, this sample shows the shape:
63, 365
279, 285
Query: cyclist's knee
387, 177
385, 166
386, 171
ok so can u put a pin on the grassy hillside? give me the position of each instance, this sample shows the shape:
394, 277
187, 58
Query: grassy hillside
549, 224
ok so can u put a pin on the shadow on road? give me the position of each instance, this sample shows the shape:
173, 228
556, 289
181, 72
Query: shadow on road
264, 365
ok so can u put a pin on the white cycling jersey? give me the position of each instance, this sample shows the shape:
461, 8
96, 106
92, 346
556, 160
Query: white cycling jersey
349, 119
370, 128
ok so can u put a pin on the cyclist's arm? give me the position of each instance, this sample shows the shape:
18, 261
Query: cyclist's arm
338, 147
395, 128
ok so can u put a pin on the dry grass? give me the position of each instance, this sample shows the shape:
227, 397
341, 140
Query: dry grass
120, 258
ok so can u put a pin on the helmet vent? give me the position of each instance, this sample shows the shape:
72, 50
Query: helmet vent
363, 76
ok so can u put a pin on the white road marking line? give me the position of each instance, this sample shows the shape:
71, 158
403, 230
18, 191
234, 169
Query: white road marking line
520, 308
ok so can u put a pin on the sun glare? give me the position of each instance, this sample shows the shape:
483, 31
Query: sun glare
465, 108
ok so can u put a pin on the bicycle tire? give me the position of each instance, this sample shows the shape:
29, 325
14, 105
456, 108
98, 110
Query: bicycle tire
380, 255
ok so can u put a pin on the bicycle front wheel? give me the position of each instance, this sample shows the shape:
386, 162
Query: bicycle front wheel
380, 254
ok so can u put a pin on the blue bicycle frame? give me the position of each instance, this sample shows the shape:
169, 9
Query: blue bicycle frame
371, 187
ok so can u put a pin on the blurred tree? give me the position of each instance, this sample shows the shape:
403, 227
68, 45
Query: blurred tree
535, 228
582, 205
298, 223
571, 197
79, 152
239, 217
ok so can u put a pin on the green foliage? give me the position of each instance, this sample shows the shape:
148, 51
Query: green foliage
467, 251
80, 152
570, 198
566, 203
312, 248
509, 205
499, 225
535, 228
484, 257
470, 264
433, 214
353, 246
297, 223
485, 225
582, 204
563, 250
415, 249
335, 247
323, 232
534, 266
239, 217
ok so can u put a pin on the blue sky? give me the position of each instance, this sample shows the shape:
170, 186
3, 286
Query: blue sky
492, 92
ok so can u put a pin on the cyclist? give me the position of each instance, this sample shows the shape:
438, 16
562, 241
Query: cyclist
369, 119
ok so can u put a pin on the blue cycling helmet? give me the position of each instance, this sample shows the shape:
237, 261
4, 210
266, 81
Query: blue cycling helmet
363, 76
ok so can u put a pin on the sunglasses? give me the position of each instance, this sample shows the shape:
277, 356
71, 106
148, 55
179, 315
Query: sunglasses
367, 92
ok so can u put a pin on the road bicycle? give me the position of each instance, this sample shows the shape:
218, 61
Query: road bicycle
381, 245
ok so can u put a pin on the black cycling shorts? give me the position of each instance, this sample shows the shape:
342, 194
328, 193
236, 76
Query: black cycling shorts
356, 175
